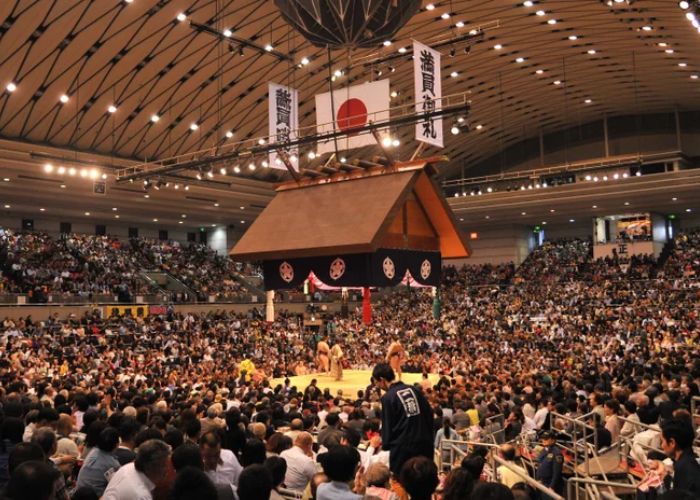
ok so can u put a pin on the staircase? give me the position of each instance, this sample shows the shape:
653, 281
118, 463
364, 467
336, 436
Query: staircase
168, 283
251, 283
666, 252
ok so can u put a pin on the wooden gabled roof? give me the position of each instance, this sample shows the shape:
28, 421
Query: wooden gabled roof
359, 212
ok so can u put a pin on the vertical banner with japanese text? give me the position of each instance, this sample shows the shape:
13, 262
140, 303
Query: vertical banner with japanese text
284, 122
428, 88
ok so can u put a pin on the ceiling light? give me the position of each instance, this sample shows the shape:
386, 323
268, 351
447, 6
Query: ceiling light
627, 203
616, 176
540, 13
523, 213
251, 166
222, 171
155, 220
402, 50
216, 204
682, 64
647, 28
394, 93
572, 220
83, 172
638, 174
48, 168
180, 222
588, 101
454, 74
430, 6
552, 21
520, 60
311, 155
304, 61
684, 4
573, 37
386, 141
459, 24
228, 33
690, 16
479, 126
662, 44
265, 163
237, 169
61, 170
229, 134
674, 199
592, 51
87, 213
269, 48
387, 43
194, 126
261, 141
213, 225
187, 187
595, 206
498, 46
688, 210
210, 174
112, 108
454, 130
6, 179
694, 77
396, 143
669, 51
343, 159
72, 171
11, 87
539, 71
557, 82
42, 210
182, 17
445, 15
155, 118
114, 209
94, 173
7, 206
64, 98
528, 3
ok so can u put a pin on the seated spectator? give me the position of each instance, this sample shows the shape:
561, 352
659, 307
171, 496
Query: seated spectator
100, 464
508, 475
255, 483
419, 477
137, 480
492, 491
458, 485
128, 428
340, 465
32, 480
300, 462
677, 443
221, 465
277, 468
376, 478
192, 483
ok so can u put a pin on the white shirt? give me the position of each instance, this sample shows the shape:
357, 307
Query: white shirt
228, 471
300, 468
540, 417
129, 484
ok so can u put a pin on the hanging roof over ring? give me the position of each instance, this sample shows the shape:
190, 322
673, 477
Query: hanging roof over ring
397, 207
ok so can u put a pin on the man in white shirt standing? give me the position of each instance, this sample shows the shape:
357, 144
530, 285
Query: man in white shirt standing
136, 481
221, 466
300, 462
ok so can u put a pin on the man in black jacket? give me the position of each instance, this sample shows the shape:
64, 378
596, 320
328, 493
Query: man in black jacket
407, 419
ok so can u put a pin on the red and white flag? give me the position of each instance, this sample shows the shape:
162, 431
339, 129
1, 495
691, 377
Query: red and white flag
355, 107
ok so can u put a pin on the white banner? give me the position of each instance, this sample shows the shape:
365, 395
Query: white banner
355, 107
284, 122
426, 70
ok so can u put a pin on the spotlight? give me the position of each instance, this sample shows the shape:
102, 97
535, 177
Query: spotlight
454, 130
182, 17
227, 33
48, 168
396, 143
386, 142
11, 87
64, 98
684, 5
311, 155
237, 169
72, 171
61, 170
210, 173
251, 166
199, 176
222, 171
187, 187
453, 52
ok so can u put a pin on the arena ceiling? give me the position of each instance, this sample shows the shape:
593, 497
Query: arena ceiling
542, 65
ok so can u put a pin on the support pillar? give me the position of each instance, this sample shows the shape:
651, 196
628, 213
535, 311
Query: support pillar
366, 306
436, 303
270, 306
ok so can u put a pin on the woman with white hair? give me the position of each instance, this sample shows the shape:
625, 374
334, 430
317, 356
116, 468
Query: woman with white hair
377, 480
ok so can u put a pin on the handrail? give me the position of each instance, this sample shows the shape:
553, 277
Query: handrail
528, 479
572, 482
